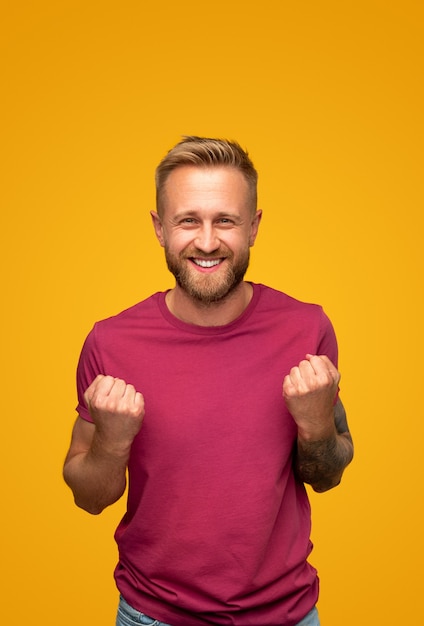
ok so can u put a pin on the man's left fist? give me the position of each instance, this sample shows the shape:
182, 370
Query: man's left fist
309, 391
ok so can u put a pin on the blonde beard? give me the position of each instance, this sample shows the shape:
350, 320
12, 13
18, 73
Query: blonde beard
207, 289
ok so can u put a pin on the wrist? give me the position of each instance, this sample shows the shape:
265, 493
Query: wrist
102, 447
309, 433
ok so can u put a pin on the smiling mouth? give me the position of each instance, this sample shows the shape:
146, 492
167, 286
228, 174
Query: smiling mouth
206, 263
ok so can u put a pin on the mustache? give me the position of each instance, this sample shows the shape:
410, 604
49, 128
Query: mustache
219, 253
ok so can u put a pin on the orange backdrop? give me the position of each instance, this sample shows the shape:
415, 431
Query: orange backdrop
327, 97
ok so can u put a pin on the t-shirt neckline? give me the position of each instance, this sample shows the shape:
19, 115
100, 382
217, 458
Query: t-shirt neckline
209, 330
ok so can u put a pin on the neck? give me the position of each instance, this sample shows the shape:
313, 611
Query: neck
219, 313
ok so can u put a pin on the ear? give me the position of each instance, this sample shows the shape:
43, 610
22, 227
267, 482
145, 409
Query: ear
157, 225
254, 227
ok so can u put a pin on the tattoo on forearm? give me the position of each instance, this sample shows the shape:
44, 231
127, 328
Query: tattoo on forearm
321, 463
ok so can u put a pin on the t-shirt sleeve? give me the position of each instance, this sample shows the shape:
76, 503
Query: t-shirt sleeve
89, 366
328, 343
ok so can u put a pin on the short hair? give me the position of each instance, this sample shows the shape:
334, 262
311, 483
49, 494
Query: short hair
206, 152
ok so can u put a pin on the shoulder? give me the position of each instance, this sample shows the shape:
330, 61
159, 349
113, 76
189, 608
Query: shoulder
140, 317
271, 298
143, 310
284, 310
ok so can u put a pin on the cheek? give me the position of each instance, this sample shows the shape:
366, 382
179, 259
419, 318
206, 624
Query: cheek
237, 242
177, 242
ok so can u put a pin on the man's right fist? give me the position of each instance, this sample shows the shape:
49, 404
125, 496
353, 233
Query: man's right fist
116, 408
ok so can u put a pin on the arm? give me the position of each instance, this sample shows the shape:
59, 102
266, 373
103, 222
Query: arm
324, 444
96, 463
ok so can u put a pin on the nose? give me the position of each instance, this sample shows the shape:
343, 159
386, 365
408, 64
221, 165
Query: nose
206, 239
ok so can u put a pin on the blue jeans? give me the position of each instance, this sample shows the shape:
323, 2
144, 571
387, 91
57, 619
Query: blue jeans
127, 616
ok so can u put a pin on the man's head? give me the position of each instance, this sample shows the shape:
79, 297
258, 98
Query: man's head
206, 217
206, 152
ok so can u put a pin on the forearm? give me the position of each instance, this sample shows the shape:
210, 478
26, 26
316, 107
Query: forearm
321, 463
96, 478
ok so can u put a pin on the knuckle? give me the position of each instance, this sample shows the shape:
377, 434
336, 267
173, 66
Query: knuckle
108, 405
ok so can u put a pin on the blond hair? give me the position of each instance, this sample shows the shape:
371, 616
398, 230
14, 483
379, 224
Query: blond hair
206, 152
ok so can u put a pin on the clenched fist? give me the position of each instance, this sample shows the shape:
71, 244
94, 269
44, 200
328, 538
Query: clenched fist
309, 391
117, 410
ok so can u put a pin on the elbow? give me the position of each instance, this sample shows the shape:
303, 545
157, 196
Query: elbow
326, 485
88, 507
328, 481
82, 500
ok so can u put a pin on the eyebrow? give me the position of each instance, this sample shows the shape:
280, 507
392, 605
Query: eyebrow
195, 213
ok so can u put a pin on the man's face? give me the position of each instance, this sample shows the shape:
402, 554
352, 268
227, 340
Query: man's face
207, 228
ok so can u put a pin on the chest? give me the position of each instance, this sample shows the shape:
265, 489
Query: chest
220, 396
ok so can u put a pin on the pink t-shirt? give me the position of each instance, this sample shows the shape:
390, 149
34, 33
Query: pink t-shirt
217, 529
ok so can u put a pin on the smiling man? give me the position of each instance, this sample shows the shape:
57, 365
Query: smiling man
207, 225
220, 398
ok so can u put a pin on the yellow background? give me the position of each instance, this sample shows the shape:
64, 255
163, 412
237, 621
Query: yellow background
327, 97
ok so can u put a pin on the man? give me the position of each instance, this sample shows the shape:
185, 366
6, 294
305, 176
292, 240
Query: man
220, 398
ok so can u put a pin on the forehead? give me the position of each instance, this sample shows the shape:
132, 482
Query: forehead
205, 185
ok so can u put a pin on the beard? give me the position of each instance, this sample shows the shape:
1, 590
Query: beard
208, 288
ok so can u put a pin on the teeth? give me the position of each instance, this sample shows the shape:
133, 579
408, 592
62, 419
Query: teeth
204, 263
